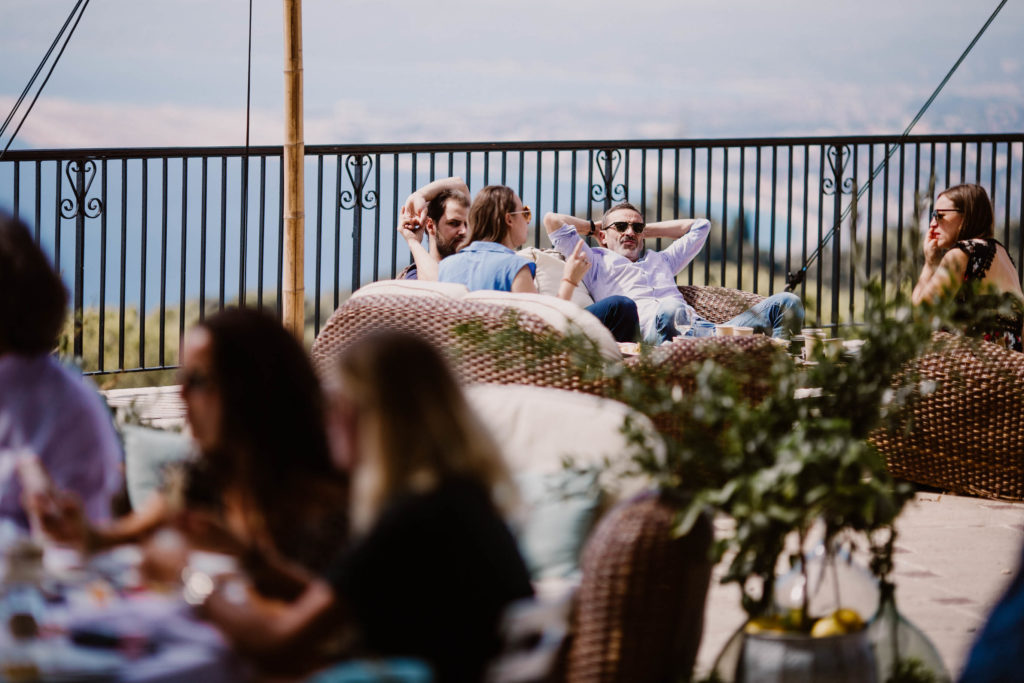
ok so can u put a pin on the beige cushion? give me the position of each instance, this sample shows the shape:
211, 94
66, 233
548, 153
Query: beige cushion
550, 266
452, 290
537, 428
564, 316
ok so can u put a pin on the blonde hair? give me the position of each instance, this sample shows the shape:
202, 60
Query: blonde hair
414, 426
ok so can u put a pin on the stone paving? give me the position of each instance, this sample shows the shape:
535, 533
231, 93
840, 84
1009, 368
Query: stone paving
954, 557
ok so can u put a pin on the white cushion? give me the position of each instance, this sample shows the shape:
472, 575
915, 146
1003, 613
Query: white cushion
451, 290
537, 428
550, 267
562, 315
148, 453
540, 429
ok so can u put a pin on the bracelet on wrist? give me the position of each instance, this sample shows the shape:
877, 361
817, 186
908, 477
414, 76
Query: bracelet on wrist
574, 284
593, 228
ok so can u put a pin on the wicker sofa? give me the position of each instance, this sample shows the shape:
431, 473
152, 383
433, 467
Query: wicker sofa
967, 436
425, 310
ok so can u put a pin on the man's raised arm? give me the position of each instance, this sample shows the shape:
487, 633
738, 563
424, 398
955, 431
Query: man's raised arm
416, 203
553, 221
412, 231
673, 229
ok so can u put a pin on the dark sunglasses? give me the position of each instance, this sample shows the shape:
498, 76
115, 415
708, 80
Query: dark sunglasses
941, 214
622, 226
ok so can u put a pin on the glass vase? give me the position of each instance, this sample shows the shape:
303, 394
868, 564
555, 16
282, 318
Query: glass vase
903, 653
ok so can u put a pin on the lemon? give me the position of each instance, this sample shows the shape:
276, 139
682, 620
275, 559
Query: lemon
763, 625
840, 622
827, 626
849, 619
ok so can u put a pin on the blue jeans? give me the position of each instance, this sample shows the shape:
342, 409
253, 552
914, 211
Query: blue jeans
618, 314
780, 315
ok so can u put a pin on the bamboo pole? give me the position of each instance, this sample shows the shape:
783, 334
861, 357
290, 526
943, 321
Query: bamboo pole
294, 294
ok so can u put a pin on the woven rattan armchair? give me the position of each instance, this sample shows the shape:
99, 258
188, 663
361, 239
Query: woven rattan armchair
968, 435
640, 611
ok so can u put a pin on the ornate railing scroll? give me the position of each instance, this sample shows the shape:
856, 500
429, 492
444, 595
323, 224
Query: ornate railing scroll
607, 191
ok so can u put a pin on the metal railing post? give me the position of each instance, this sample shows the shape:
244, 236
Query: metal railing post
79, 259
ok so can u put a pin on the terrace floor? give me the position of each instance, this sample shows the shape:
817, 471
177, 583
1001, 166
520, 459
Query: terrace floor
954, 557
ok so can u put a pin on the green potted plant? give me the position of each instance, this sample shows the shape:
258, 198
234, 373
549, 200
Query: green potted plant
746, 438
797, 467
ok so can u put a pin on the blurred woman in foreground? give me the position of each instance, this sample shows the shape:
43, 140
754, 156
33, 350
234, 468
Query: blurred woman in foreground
431, 565
263, 482
963, 259
48, 413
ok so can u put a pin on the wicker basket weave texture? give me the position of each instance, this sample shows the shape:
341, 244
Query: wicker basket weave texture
718, 304
640, 611
434, 319
968, 435
748, 357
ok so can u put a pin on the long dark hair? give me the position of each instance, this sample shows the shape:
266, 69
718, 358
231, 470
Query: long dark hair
275, 450
33, 300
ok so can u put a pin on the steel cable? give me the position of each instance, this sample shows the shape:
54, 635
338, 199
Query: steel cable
794, 279
81, 3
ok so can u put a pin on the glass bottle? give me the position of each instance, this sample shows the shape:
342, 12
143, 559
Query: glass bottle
903, 653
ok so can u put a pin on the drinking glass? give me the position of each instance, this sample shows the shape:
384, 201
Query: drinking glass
683, 322
703, 328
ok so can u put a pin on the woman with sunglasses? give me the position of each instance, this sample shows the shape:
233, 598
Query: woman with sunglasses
499, 224
432, 564
264, 481
964, 260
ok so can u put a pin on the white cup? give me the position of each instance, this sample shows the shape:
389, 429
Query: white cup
725, 330
833, 347
741, 331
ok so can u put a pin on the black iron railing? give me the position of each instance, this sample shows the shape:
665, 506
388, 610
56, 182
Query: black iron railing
150, 240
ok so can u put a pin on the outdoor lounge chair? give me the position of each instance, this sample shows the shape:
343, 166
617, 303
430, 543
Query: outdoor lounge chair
434, 311
967, 436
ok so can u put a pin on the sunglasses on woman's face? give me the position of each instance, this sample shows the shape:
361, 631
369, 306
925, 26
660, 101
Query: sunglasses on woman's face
941, 213
527, 213
622, 226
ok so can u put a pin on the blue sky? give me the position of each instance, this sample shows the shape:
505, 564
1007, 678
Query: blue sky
173, 73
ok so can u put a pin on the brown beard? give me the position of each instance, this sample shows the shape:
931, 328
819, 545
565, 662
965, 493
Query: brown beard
446, 248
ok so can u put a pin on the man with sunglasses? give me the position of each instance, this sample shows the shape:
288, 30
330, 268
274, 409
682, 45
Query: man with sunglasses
621, 267
441, 210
